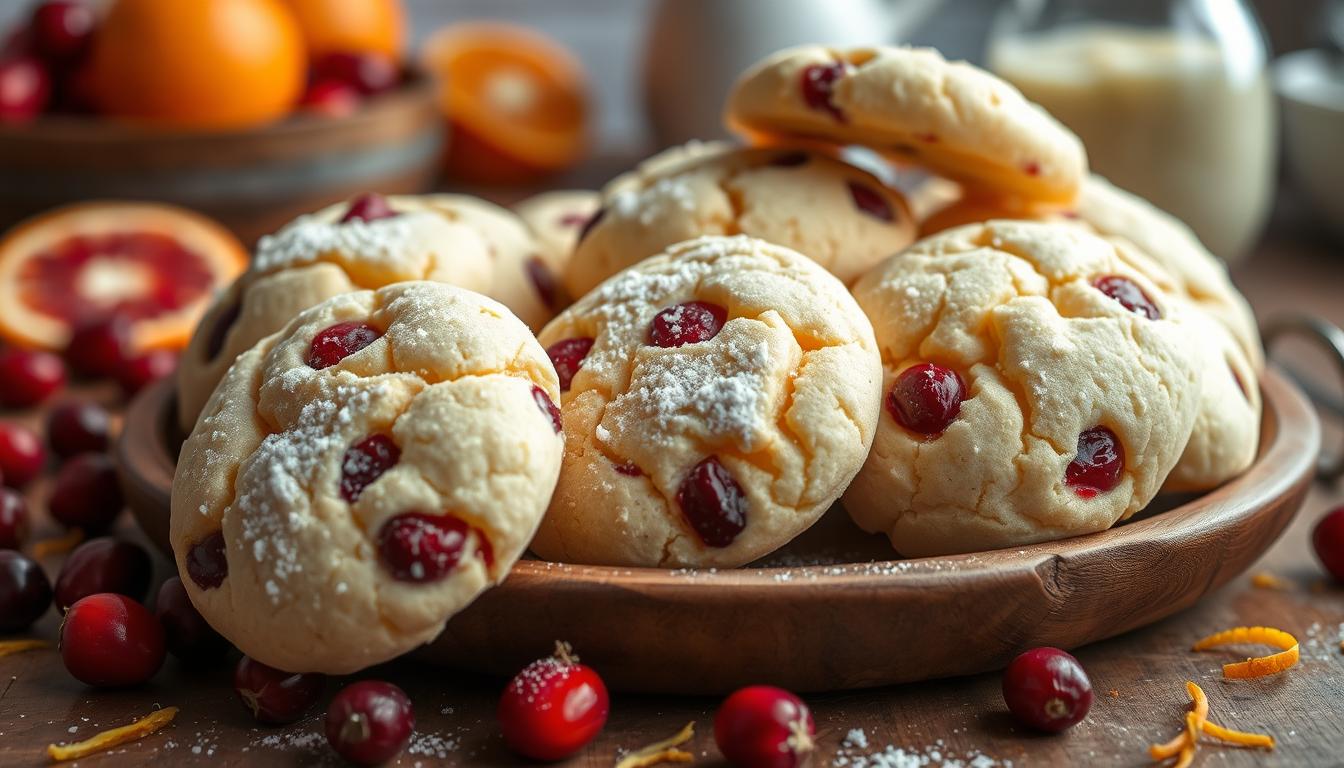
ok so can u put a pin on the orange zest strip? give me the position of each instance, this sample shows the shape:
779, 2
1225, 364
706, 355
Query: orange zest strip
1187, 757
664, 751
1267, 580
1238, 737
111, 738
57, 545
1258, 666
9, 647
1182, 741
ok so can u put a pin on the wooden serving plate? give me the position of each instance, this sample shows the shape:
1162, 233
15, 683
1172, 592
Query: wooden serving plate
829, 612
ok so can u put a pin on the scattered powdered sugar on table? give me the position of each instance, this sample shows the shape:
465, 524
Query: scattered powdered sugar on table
853, 754
308, 238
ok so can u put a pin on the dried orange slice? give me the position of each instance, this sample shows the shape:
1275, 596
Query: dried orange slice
156, 264
1258, 666
517, 101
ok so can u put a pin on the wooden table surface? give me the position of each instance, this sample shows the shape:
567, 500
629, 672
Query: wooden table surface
1138, 678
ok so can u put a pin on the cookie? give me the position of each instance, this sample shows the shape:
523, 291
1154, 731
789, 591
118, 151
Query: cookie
839, 216
915, 106
365, 473
665, 162
557, 218
1036, 386
717, 400
318, 256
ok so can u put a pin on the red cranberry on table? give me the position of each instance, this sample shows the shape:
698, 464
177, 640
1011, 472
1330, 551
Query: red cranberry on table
688, 323
272, 696
103, 565
368, 73
142, 370
21, 454
25, 593
86, 493
567, 356
29, 376
553, 707
13, 519
331, 98
25, 89
62, 29
98, 348
764, 727
335, 343
370, 722
1047, 689
78, 427
1328, 540
110, 640
187, 634
926, 398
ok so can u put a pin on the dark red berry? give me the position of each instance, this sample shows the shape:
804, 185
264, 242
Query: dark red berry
1327, 538
553, 708
1047, 689
13, 519
548, 408
421, 548
78, 427
187, 634
331, 98
29, 376
337, 342
25, 593
818, 86
110, 641
103, 565
368, 207
370, 722
207, 564
543, 280
142, 370
368, 73
1130, 295
713, 503
689, 323
98, 348
86, 493
21, 454
764, 727
272, 696
567, 356
926, 398
62, 30
629, 469
871, 202
365, 462
1098, 465
25, 89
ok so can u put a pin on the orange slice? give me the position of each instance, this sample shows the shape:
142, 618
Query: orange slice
1258, 666
156, 264
516, 100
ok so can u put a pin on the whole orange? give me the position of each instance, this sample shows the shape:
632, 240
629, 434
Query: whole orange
352, 26
199, 64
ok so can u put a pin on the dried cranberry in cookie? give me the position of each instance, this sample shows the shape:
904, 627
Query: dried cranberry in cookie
1053, 409
728, 391
326, 519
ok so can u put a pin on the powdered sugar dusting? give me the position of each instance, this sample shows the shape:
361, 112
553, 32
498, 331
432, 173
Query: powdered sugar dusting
308, 238
853, 754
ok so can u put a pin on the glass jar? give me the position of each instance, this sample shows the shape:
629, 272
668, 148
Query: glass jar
1171, 97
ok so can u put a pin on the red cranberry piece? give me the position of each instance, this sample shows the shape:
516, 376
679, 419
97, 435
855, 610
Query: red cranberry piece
926, 398
572, 220
370, 722
103, 565
1047, 689
331, 98
543, 280
25, 89
62, 29
21, 454
1130, 296
421, 548
871, 202
13, 519
109, 641
764, 727
219, 332
818, 84
688, 323
368, 207
368, 73
592, 223
99, 347
142, 370
713, 503
25, 593
629, 469
28, 376
1327, 538
553, 708
86, 493
334, 344
1098, 465
272, 696
365, 462
187, 634
207, 564
78, 427
548, 408
567, 356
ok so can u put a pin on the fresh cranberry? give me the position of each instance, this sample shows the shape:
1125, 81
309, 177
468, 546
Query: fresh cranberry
1047, 689
1328, 540
365, 462
871, 202
99, 347
207, 563
86, 493
187, 634
62, 29
334, 344
13, 519
818, 84
591, 224
688, 323
29, 376
370, 722
926, 398
272, 696
370, 206
567, 356
713, 503
548, 408
25, 89
1130, 296
142, 370
110, 641
421, 548
367, 72
331, 98
103, 565
543, 280
1098, 465
553, 707
21, 454
25, 593
78, 427
761, 726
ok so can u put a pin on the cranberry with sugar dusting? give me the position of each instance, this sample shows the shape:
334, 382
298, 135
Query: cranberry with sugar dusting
275, 697
818, 86
1098, 465
29, 376
369, 722
207, 564
103, 565
79, 426
553, 707
110, 641
98, 347
1129, 294
688, 323
926, 398
1327, 538
13, 519
421, 548
548, 408
25, 593
21, 454
1047, 689
567, 356
713, 503
761, 726
368, 207
337, 342
365, 462
187, 634
86, 493
871, 202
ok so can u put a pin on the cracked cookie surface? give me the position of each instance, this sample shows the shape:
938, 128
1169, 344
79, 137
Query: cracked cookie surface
717, 400
364, 474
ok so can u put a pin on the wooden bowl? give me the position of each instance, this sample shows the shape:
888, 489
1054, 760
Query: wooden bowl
252, 181
829, 612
